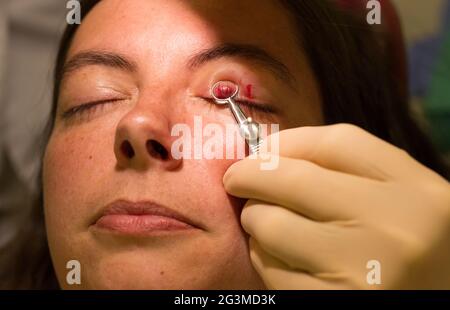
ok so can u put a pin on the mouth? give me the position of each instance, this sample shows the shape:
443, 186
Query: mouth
141, 218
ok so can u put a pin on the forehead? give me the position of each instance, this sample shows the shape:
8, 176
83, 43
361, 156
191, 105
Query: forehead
160, 29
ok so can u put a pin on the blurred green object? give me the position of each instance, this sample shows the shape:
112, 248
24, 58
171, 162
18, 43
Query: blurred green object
437, 105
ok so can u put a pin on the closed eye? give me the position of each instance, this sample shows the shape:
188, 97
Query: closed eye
251, 106
261, 107
87, 108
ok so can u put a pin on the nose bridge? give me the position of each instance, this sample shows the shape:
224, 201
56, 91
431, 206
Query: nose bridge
143, 135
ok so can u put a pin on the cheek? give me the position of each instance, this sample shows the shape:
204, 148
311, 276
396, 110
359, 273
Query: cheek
73, 162
212, 178
209, 172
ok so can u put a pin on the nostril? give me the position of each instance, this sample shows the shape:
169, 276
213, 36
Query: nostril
156, 149
127, 149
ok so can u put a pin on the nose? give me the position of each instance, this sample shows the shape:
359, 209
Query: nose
142, 140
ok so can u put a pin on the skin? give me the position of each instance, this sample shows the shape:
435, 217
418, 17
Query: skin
84, 169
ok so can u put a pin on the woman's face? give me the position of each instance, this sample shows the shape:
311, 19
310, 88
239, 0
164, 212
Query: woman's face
148, 66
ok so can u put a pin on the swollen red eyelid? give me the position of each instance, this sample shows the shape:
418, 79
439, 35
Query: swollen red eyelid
249, 91
224, 89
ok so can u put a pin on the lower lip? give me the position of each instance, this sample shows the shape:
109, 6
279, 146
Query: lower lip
140, 224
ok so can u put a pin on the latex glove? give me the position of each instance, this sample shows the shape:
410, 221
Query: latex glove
340, 199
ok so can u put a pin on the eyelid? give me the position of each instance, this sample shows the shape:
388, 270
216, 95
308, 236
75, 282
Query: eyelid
252, 105
84, 107
258, 106
244, 99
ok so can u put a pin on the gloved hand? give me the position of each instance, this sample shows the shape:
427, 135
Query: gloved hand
344, 209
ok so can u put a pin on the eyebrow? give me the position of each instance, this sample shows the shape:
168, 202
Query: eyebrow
103, 58
245, 51
250, 52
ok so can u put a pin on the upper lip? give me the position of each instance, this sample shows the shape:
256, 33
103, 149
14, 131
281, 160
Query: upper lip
127, 207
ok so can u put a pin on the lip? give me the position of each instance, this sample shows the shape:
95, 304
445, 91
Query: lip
141, 218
